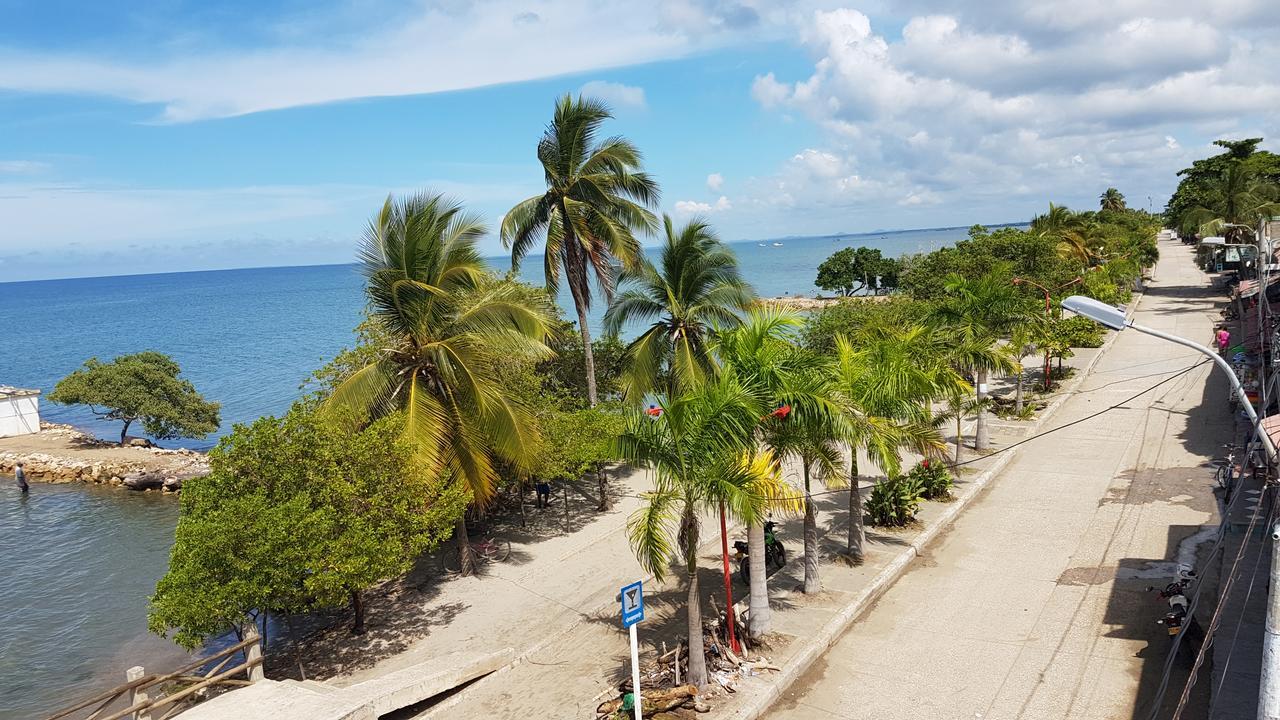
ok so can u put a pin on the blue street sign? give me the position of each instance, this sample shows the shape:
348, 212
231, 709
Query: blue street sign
632, 597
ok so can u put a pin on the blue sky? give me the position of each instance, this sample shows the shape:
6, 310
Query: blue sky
179, 135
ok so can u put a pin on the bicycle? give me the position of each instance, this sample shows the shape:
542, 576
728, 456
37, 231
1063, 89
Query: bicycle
488, 550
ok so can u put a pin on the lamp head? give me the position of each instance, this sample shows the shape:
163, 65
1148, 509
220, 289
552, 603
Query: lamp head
1099, 312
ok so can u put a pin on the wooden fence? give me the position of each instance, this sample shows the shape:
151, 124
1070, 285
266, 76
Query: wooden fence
171, 688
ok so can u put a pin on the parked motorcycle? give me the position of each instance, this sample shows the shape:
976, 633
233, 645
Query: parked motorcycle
774, 554
1175, 594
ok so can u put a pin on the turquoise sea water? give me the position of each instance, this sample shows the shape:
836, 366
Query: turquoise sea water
80, 561
249, 338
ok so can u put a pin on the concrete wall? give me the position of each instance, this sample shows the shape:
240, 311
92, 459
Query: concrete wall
19, 415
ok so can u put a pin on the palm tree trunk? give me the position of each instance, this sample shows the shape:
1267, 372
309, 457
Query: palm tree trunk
697, 658
812, 583
466, 555
761, 614
857, 533
981, 436
574, 265
587, 353
959, 435
1017, 397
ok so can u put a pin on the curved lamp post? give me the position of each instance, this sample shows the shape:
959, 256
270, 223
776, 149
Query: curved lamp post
1114, 318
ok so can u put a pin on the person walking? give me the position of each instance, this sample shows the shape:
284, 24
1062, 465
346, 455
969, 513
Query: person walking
21, 476
1224, 340
543, 489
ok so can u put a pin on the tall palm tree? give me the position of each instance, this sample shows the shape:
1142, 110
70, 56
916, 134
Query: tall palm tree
697, 288
975, 313
596, 199
700, 449
1238, 196
1072, 231
444, 327
883, 376
1112, 199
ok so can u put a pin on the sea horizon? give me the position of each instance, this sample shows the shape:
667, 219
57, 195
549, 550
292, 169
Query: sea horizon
841, 234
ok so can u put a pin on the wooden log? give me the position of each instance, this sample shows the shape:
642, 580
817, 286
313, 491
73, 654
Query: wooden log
654, 701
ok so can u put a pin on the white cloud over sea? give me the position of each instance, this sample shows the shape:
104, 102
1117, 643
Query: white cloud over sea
977, 107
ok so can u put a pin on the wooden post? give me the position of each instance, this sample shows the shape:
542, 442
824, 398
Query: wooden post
254, 653
566, 505
138, 694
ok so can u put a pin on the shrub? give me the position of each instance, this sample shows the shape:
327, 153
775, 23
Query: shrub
933, 478
894, 502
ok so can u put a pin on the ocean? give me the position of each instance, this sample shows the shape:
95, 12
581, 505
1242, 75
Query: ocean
249, 338
80, 561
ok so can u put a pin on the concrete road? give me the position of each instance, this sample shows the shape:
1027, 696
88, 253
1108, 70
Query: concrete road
1035, 605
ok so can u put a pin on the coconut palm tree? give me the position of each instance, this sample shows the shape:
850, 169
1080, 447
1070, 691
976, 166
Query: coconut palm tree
974, 314
1072, 231
883, 375
698, 287
700, 448
444, 326
1112, 199
596, 199
1238, 196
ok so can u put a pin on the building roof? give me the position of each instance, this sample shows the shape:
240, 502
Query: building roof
8, 391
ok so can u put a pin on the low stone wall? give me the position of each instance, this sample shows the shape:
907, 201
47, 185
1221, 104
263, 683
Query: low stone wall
156, 468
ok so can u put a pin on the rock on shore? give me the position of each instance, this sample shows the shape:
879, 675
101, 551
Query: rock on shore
60, 453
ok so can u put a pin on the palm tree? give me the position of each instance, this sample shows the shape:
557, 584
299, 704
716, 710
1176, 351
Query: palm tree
1071, 230
974, 314
1238, 196
883, 377
1112, 199
697, 288
700, 449
761, 353
444, 326
596, 199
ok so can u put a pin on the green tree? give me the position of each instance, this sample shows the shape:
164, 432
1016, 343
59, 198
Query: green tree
298, 515
578, 442
1196, 186
1073, 232
976, 313
882, 377
446, 327
144, 387
596, 199
850, 271
697, 289
1237, 196
1111, 199
700, 450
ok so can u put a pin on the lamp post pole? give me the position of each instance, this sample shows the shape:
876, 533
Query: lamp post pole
1269, 682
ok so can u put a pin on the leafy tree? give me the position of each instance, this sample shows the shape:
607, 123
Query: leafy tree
446, 327
1236, 196
700, 449
297, 515
578, 442
561, 373
1112, 199
1198, 181
849, 271
143, 387
697, 290
852, 316
596, 199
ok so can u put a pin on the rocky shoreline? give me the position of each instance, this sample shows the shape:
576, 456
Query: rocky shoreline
63, 454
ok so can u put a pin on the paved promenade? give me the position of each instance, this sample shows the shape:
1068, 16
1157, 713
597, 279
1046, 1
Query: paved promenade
1035, 604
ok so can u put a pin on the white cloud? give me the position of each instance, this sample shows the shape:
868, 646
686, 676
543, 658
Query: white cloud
694, 207
715, 181
994, 108
615, 94
22, 167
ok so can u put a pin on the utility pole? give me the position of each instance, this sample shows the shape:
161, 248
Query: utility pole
1269, 679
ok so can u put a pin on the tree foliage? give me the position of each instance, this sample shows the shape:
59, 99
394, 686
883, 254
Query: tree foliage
1201, 184
296, 515
850, 271
143, 387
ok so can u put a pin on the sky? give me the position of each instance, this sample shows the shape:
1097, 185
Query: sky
164, 135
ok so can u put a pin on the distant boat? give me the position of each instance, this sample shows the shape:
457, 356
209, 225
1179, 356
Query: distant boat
777, 244
761, 244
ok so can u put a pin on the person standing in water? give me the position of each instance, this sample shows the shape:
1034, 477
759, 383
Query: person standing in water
21, 477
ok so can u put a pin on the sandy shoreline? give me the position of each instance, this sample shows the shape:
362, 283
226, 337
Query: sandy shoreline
61, 453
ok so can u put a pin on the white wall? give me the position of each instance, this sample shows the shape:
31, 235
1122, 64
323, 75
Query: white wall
19, 415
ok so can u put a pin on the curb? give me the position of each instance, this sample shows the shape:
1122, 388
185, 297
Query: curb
885, 579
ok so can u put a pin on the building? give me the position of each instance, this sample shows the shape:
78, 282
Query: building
19, 411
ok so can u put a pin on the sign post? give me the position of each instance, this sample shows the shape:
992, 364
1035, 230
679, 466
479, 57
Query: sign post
632, 597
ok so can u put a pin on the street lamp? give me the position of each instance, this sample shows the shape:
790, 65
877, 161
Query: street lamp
1114, 318
1047, 314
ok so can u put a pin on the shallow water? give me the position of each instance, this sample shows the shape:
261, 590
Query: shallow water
78, 563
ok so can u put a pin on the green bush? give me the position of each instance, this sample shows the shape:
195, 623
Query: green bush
933, 478
894, 502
